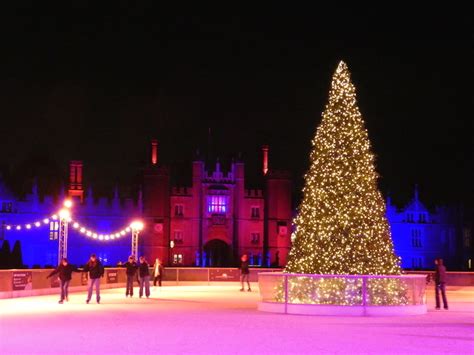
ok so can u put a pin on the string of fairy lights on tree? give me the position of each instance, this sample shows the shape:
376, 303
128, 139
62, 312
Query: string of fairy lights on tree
341, 227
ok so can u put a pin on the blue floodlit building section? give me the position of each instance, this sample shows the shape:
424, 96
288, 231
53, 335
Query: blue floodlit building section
420, 236
39, 240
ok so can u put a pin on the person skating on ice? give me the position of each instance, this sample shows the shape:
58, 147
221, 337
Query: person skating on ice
144, 271
96, 271
65, 271
132, 267
244, 272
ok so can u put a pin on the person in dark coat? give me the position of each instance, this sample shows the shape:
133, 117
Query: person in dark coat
132, 267
96, 271
244, 272
440, 283
65, 271
144, 271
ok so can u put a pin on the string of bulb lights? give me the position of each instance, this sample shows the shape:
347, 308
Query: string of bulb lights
29, 226
65, 214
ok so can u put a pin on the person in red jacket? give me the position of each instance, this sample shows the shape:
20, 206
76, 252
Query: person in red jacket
65, 271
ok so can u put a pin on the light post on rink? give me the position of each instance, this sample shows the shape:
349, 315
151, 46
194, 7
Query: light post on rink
64, 219
136, 227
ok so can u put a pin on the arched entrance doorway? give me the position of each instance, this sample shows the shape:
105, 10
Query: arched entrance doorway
217, 253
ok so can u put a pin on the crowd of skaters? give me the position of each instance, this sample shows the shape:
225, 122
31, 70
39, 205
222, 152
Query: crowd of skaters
134, 269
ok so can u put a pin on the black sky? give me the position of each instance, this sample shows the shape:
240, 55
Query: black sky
98, 83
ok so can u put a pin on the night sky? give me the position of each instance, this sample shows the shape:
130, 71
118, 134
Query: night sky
97, 84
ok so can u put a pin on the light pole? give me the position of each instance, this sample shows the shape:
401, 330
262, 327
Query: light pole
136, 227
64, 219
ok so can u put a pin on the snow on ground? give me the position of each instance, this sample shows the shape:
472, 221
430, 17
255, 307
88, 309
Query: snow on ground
221, 320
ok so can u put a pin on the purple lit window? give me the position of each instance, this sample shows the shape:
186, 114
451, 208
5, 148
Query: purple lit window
217, 204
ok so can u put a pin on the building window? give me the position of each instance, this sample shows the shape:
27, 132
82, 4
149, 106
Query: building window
422, 218
255, 212
178, 237
410, 217
467, 237
416, 238
7, 207
177, 259
178, 210
417, 263
53, 230
282, 229
217, 204
255, 238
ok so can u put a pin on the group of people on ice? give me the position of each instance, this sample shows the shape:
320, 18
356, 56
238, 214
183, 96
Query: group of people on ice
144, 275
96, 271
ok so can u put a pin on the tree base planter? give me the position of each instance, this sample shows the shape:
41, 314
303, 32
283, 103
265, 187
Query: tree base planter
325, 310
343, 295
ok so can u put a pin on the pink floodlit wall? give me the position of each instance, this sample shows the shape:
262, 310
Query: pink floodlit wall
216, 218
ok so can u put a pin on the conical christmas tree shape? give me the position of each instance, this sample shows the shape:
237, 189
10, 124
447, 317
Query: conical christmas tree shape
341, 227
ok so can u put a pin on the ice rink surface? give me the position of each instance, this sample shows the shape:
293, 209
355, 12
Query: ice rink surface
222, 320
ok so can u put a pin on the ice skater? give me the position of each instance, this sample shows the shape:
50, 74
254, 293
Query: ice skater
65, 271
144, 271
96, 271
132, 267
244, 272
157, 272
440, 283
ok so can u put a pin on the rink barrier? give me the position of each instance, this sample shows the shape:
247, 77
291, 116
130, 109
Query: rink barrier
347, 295
33, 282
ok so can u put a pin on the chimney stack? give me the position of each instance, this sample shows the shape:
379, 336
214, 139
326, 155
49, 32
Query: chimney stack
154, 152
265, 159
75, 179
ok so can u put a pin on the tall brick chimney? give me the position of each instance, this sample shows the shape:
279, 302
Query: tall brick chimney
265, 149
154, 152
75, 180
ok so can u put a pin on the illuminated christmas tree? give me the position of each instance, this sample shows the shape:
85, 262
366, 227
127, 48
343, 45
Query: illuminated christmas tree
341, 227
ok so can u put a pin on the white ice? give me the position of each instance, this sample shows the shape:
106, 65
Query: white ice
221, 320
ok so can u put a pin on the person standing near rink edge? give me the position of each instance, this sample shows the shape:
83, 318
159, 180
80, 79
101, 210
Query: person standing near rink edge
440, 283
96, 271
132, 267
157, 272
65, 271
244, 272
144, 271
